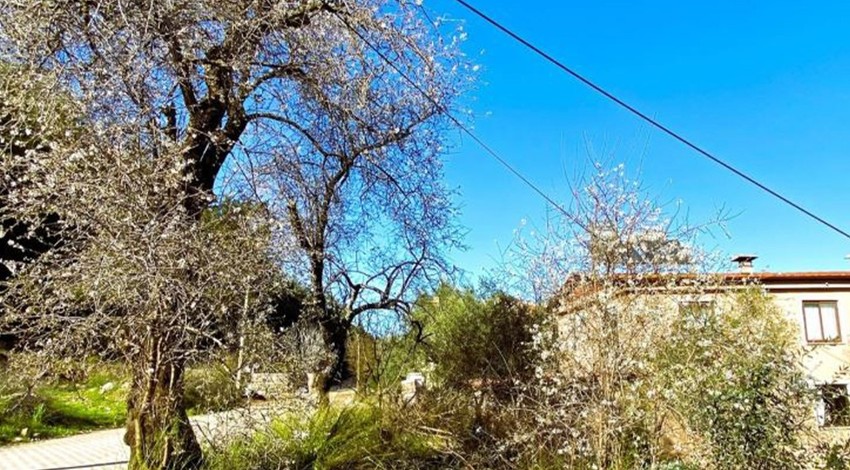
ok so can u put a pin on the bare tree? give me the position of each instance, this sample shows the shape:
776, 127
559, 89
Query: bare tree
165, 92
359, 189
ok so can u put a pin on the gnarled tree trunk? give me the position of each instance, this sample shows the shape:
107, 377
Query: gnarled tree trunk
335, 331
334, 328
158, 430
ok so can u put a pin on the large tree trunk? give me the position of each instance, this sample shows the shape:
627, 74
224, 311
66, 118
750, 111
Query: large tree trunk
158, 430
335, 331
334, 328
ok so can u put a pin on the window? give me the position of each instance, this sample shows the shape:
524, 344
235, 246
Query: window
820, 320
834, 405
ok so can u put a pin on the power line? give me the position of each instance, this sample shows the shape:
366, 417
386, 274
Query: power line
650, 120
490, 151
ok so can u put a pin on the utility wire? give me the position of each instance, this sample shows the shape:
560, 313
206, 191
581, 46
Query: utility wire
650, 120
490, 151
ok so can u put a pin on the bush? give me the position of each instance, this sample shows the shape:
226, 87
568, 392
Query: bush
734, 372
474, 342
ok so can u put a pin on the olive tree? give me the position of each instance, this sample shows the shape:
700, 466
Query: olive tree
167, 95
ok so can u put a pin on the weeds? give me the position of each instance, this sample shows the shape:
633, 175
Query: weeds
364, 435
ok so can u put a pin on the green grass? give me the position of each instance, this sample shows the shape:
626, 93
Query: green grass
61, 409
209, 387
361, 436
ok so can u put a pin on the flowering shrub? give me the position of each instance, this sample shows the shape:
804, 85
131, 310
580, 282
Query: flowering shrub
593, 399
626, 377
632, 380
735, 373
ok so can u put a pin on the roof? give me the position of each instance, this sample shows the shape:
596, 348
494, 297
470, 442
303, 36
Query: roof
790, 277
576, 287
787, 281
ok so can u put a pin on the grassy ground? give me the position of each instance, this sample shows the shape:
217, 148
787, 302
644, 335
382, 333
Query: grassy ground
61, 408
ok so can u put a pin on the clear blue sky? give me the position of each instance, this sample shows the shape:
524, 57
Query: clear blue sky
765, 86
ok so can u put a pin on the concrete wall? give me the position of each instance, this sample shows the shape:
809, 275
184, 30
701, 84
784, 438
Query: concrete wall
824, 362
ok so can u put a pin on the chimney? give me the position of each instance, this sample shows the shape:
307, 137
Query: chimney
745, 263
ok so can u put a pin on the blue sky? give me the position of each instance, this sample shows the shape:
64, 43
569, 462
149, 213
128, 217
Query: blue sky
765, 86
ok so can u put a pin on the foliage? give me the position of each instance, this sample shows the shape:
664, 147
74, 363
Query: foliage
734, 373
607, 392
831, 455
473, 341
21, 241
363, 436
379, 363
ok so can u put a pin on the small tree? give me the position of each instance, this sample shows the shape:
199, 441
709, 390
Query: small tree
594, 398
734, 372
636, 365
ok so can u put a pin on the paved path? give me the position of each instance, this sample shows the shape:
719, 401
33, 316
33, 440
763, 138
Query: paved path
98, 447
105, 450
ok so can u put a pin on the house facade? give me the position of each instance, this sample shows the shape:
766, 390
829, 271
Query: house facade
818, 304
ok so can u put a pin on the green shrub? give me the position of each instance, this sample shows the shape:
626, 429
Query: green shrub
734, 374
475, 342
363, 436
442, 429
832, 455
380, 363
211, 387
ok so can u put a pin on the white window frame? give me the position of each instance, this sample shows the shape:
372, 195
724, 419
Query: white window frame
818, 337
